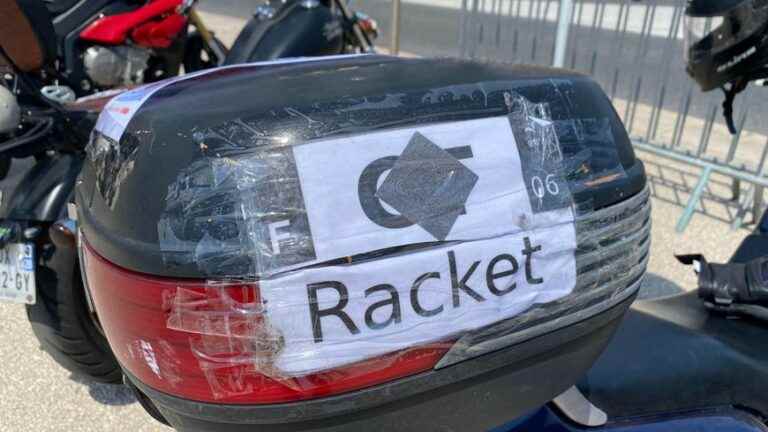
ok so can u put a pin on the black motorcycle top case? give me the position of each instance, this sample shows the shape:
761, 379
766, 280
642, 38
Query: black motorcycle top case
188, 186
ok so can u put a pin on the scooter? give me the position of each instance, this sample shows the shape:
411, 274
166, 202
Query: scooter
39, 257
677, 363
689, 362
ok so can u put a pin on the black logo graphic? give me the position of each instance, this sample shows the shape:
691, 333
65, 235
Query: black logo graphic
427, 185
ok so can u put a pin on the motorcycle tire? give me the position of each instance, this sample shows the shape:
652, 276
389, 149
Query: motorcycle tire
62, 323
198, 56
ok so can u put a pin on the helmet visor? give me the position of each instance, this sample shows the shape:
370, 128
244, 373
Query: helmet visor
708, 35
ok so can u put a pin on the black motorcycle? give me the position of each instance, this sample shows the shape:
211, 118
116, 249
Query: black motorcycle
46, 138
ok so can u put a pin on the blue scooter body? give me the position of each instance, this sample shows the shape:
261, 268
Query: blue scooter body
547, 419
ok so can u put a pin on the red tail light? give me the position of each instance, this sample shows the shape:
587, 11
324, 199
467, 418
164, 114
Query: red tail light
209, 341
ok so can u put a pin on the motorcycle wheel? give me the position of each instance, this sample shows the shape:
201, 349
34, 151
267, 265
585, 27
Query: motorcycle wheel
63, 325
199, 56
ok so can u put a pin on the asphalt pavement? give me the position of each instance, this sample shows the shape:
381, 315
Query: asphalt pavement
38, 395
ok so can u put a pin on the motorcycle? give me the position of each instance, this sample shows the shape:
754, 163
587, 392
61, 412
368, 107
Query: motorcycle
116, 43
44, 129
94, 46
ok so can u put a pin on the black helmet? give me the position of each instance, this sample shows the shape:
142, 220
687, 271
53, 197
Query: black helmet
726, 45
725, 39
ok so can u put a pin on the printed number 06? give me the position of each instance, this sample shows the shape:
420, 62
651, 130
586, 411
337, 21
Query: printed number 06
538, 186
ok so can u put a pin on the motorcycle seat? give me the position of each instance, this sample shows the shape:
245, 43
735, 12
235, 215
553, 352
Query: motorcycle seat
754, 246
672, 354
27, 37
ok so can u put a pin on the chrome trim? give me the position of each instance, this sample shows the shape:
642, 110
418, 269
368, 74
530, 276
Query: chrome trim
637, 207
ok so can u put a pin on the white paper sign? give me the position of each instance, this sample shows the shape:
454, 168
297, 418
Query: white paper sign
332, 316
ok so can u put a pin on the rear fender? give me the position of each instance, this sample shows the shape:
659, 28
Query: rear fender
43, 192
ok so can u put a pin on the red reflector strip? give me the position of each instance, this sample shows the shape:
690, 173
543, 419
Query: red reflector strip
210, 342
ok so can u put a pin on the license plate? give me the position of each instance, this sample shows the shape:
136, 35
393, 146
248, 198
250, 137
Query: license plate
17, 273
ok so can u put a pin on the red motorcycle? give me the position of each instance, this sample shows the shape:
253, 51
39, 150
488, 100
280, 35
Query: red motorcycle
112, 43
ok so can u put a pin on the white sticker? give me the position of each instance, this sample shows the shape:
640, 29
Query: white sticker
119, 110
337, 315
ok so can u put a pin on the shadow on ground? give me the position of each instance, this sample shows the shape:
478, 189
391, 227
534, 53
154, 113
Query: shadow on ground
107, 394
673, 185
655, 286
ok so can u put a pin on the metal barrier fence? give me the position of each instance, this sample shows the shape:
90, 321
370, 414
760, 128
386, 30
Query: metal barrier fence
634, 50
